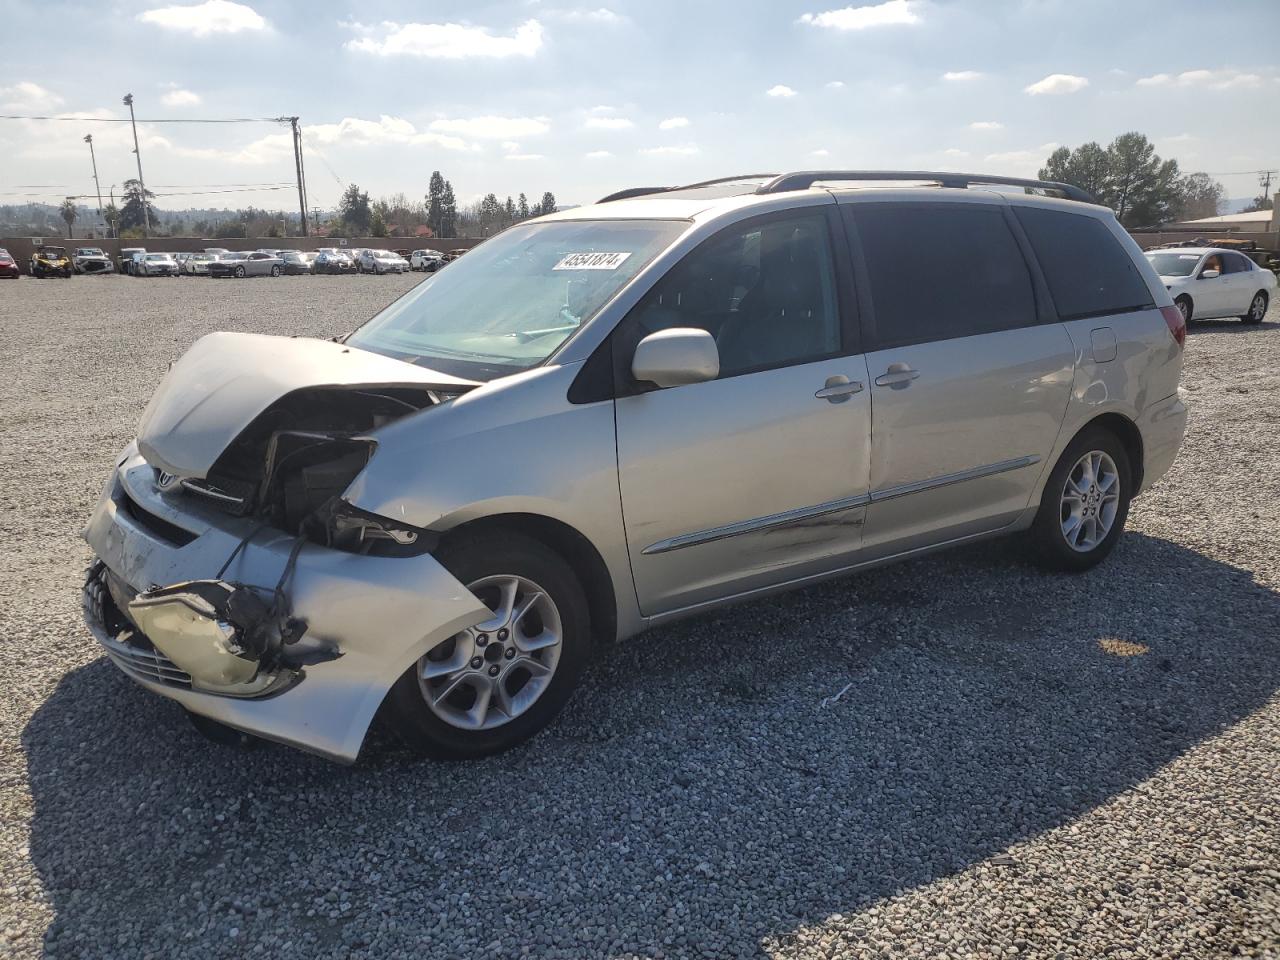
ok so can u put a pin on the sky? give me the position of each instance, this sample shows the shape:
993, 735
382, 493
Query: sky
534, 95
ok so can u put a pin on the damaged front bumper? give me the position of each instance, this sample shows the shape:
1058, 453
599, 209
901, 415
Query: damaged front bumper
360, 620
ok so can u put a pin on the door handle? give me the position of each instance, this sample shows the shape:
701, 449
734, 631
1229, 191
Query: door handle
897, 376
839, 389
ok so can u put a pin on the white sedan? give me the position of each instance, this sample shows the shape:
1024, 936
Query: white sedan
1212, 282
381, 261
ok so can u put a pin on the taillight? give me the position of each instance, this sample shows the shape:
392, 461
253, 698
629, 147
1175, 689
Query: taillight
1177, 326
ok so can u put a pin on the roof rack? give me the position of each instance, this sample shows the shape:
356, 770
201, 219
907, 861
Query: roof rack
803, 180
647, 191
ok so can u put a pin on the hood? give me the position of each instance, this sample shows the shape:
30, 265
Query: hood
226, 380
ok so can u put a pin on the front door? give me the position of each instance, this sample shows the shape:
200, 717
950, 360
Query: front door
760, 476
969, 387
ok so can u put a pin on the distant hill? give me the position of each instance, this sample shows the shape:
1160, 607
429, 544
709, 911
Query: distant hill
1235, 206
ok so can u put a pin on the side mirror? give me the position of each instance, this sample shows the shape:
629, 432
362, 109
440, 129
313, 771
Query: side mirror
1209, 274
671, 358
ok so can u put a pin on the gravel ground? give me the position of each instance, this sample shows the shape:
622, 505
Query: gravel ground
1020, 764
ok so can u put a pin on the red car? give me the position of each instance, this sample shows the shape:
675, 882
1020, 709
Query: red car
8, 266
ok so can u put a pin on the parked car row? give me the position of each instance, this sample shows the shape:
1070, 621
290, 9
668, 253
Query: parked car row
220, 262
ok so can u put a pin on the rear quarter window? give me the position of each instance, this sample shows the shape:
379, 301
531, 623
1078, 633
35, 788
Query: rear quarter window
1088, 272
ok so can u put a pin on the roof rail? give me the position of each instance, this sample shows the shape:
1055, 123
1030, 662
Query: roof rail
647, 191
802, 180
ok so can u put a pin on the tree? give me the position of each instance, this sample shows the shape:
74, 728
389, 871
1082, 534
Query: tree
230, 229
377, 223
548, 204
354, 210
508, 213
111, 213
522, 208
67, 211
1130, 177
131, 214
435, 202
1202, 196
489, 214
448, 212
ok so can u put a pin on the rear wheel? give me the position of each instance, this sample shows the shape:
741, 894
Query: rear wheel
496, 684
275, 271
1085, 503
1257, 308
240, 272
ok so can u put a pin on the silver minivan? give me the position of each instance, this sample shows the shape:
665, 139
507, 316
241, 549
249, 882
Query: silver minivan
607, 418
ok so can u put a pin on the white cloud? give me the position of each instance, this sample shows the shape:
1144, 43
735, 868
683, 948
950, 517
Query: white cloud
25, 95
1021, 162
674, 123
819, 153
350, 132
608, 123
510, 146
1057, 83
450, 41
834, 85
602, 108
985, 126
202, 19
177, 97
492, 128
584, 15
687, 150
960, 76
1213, 79
523, 156
599, 155
889, 13
953, 152
780, 90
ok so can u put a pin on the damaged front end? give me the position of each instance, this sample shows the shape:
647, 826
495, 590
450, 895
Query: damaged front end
245, 453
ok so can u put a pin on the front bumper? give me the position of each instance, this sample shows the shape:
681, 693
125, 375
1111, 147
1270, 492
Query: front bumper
1162, 426
380, 614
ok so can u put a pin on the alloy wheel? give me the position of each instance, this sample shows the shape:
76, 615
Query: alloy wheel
1090, 501
1258, 308
1184, 308
491, 673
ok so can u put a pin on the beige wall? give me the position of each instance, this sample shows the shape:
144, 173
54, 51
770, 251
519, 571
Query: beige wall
21, 247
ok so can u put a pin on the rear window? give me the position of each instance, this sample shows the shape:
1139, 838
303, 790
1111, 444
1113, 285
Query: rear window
940, 271
1089, 273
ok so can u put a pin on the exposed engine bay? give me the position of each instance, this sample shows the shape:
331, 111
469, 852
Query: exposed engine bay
289, 467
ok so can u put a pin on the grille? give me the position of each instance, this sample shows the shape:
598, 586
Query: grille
233, 497
146, 664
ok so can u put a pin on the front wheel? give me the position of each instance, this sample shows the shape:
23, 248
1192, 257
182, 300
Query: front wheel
1085, 503
1257, 308
275, 271
240, 273
496, 684
1184, 307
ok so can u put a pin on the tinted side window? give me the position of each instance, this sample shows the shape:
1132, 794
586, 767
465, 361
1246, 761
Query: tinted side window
1089, 273
1235, 263
765, 291
939, 271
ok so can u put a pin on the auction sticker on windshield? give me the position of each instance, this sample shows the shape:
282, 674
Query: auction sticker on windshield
591, 261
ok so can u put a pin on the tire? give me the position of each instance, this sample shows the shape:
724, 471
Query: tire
239, 273
1183, 303
275, 271
1257, 308
1053, 546
506, 557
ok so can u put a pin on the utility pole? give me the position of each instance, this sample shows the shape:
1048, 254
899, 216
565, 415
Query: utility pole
1264, 181
88, 138
142, 187
115, 224
297, 166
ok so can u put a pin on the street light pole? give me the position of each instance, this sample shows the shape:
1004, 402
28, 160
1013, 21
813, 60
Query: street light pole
115, 232
88, 138
142, 187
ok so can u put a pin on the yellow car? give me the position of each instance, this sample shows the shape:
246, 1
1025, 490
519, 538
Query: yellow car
50, 262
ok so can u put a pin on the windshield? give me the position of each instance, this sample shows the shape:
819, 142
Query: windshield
53, 253
1174, 264
88, 252
513, 300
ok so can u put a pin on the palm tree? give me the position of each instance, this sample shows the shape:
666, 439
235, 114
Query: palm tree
68, 213
111, 213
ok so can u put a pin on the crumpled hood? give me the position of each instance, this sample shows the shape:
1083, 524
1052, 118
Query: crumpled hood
225, 380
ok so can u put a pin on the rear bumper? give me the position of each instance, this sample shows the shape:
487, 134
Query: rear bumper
380, 613
1162, 426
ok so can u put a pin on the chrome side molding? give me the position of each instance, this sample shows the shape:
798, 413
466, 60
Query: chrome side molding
833, 506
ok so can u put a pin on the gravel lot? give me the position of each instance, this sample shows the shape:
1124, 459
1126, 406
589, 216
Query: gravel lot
1021, 764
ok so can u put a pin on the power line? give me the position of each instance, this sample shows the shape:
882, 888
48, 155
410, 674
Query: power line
190, 193
10, 116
